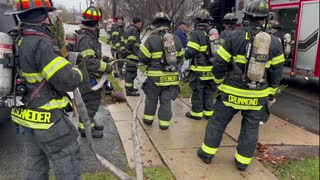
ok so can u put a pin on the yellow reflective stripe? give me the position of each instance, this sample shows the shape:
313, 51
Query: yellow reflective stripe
88, 52
278, 60
129, 84
137, 44
55, 65
20, 41
209, 150
115, 33
208, 113
247, 36
134, 57
80, 73
203, 48
156, 55
56, 104
133, 38
206, 78
193, 45
31, 125
148, 117
32, 77
145, 51
247, 92
201, 68
240, 59
103, 66
218, 81
180, 53
161, 73
224, 54
200, 114
81, 125
268, 64
168, 83
125, 41
117, 44
164, 123
242, 159
242, 107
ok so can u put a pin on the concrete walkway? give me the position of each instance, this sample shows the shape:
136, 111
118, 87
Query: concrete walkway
177, 146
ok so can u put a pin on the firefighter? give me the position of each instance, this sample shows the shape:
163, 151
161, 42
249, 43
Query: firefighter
162, 78
229, 24
276, 30
200, 78
132, 45
232, 71
117, 49
94, 64
48, 133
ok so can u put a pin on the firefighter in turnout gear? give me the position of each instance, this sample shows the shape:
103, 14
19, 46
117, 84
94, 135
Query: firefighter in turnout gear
239, 90
117, 49
162, 55
229, 24
93, 66
200, 78
48, 133
132, 45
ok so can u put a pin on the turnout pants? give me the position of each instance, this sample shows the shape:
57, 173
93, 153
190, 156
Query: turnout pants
162, 93
202, 97
248, 137
59, 145
131, 74
92, 101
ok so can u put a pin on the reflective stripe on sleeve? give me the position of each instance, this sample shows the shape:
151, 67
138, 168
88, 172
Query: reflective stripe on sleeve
203, 48
134, 57
132, 38
278, 60
55, 65
156, 55
128, 85
224, 54
80, 73
209, 150
145, 51
32, 77
88, 52
103, 66
201, 68
218, 81
115, 33
180, 53
240, 59
242, 159
56, 104
193, 45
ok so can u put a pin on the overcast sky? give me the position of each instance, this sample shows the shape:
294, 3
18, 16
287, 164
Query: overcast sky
70, 3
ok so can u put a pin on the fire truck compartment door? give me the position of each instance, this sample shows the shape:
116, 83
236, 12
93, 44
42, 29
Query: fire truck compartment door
308, 37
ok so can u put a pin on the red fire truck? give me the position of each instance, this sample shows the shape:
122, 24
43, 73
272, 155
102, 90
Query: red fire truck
301, 17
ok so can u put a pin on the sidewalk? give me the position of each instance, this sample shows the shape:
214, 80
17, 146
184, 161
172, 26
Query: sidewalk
177, 146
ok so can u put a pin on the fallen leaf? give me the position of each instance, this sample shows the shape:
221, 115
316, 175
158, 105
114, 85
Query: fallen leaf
203, 177
186, 173
244, 176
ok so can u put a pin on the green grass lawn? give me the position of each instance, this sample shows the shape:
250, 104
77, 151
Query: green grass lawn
185, 89
151, 173
307, 169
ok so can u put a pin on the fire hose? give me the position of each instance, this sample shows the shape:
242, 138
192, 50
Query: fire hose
79, 103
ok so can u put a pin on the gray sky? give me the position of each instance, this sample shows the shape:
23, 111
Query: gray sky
70, 3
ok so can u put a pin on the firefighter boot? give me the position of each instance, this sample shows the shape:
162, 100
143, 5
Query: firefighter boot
163, 127
204, 157
147, 122
240, 166
98, 127
189, 115
132, 93
95, 133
